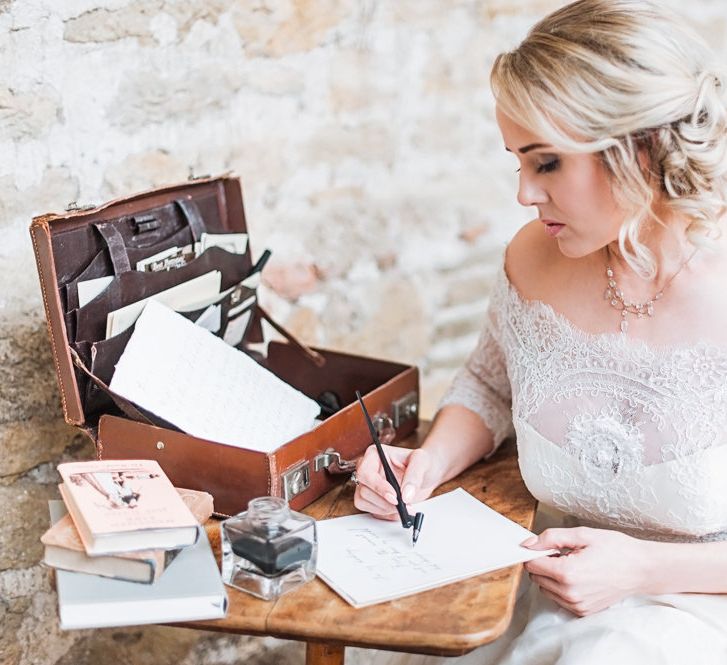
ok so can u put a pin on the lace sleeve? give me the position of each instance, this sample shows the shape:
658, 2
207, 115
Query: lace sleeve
482, 384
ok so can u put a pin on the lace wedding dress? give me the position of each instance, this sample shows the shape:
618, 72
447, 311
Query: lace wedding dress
612, 433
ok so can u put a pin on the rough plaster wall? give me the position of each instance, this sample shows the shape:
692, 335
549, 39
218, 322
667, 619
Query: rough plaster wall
364, 135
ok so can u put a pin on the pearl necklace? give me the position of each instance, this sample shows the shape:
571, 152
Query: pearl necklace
617, 300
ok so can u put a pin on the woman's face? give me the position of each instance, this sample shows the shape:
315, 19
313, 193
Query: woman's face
571, 191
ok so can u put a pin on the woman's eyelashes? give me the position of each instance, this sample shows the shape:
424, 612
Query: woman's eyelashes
549, 165
545, 167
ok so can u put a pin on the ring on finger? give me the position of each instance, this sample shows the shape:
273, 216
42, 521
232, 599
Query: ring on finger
354, 479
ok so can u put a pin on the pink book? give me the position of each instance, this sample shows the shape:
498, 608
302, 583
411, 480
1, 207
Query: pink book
125, 506
64, 549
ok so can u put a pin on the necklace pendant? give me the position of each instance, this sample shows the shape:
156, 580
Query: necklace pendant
624, 326
608, 294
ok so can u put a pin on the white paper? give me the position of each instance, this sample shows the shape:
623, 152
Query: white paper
211, 318
178, 297
245, 304
205, 302
235, 330
369, 561
192, 379
89, 289
235, 243
159, 256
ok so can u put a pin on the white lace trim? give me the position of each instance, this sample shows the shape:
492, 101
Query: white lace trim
614, 405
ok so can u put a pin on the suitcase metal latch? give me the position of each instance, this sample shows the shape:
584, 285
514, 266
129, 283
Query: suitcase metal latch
331, 461
296, 480
405, 408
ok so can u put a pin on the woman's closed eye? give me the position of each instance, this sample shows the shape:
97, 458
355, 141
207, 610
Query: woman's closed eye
545, 167
548, 166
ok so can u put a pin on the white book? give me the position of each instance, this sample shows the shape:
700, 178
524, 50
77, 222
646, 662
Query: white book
191, 589
369, 561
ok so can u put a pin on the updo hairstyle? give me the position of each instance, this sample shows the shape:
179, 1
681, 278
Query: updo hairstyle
623, 78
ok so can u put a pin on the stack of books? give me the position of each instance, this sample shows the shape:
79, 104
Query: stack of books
128, 548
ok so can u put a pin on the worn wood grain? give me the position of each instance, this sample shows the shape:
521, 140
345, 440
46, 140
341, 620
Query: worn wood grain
317, 653
450, 620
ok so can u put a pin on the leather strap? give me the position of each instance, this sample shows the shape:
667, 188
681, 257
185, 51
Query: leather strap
117, 247
316, 358
193, 216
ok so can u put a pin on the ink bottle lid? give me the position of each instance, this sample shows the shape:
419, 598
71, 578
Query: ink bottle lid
269, 549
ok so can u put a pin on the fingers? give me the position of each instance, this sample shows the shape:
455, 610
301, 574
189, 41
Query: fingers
548, 566
549, 584
370, 502
370, 474
559, 539
559, 600
417, 466
580, 608
366, 499
374, 494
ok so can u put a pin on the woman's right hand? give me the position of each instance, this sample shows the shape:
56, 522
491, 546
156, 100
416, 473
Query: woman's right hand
416, 471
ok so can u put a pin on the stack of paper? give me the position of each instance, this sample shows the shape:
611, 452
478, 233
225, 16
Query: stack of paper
194, 380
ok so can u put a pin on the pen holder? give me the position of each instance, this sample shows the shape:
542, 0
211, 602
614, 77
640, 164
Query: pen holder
269, 549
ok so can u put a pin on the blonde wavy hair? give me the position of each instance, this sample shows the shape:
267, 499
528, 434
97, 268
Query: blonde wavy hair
626, 79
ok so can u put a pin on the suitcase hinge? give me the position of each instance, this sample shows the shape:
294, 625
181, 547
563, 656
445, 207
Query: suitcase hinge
74, 207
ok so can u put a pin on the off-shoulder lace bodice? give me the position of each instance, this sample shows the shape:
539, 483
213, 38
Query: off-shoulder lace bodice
609, 429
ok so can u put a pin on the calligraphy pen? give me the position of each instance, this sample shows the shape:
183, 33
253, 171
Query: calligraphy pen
406, 519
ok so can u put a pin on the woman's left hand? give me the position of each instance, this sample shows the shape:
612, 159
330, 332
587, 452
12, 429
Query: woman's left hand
598, 567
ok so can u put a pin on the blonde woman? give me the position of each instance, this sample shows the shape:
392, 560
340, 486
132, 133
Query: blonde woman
605, 349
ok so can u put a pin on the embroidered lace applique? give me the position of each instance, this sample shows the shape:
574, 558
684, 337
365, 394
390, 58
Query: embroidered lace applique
606, 446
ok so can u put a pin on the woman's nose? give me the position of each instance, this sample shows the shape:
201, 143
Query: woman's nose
529, 192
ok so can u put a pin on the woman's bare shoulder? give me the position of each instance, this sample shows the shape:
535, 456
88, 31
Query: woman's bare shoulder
532, 261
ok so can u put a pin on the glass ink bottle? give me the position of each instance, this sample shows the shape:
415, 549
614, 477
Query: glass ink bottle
269, 549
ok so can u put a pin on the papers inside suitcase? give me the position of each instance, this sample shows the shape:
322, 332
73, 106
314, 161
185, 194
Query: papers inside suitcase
166, 243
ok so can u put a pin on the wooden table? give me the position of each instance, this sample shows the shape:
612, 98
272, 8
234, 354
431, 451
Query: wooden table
448, 621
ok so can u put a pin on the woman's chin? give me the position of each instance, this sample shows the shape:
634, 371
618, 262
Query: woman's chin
573, 250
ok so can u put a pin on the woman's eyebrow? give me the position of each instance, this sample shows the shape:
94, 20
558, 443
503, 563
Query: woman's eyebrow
529, 147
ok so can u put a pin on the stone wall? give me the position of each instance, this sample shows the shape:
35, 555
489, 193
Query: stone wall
364, 135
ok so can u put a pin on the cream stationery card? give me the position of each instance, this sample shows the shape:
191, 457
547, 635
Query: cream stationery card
368, 561
194, 380
184, 295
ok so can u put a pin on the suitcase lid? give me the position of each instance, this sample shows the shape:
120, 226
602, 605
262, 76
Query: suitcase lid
66, 243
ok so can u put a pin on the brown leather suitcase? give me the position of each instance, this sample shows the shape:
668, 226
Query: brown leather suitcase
106, 241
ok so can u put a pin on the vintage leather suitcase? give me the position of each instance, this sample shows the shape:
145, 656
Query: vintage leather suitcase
107, 241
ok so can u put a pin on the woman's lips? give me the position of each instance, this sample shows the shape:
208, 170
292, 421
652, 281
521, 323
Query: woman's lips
552, 228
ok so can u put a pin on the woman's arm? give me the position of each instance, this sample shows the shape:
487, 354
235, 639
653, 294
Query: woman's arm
458, 439
686, 567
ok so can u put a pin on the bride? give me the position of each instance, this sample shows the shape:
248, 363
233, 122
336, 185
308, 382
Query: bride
605, 348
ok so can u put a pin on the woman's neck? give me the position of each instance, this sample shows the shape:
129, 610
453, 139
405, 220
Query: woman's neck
668, 244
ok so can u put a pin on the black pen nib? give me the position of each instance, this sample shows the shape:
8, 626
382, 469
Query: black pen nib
418, 519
